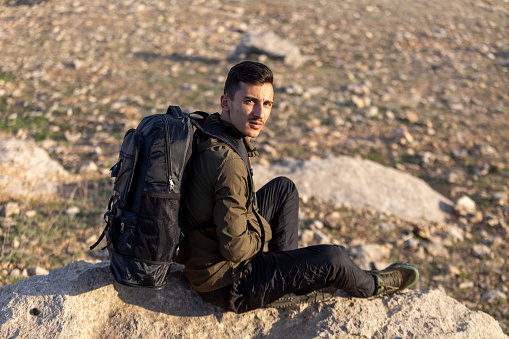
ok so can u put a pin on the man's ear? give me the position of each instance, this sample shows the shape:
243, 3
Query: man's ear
225, 104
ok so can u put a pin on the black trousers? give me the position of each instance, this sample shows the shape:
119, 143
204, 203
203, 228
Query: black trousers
285, 268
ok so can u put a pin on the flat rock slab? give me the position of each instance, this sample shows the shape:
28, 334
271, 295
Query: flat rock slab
82, 301
358, 183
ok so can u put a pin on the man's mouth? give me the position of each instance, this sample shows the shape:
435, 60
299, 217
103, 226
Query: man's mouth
256, 124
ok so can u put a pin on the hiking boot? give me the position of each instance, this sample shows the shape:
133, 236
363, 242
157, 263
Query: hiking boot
296, 299
395, 278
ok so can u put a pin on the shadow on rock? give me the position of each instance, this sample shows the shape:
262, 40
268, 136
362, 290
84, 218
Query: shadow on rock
177, 298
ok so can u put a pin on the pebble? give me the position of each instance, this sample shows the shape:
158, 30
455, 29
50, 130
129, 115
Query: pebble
72, 211
493, 296
89, 167
465, 205
477, 218
403, 136
321, 238
481, 251
316, 225
386, 227
307, 237
37, 270
31, 213
454, 234
466, 284
436, 250
371, 112
500, 198
411, 117
9, 209
15, 273
16, 243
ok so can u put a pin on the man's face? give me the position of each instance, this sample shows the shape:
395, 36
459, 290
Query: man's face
249, 109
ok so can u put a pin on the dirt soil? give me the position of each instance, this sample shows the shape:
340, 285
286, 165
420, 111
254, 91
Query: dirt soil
422, 86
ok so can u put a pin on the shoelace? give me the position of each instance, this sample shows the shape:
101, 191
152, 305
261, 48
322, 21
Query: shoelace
392, 280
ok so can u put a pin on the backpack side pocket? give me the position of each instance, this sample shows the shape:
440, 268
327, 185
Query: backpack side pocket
126, 165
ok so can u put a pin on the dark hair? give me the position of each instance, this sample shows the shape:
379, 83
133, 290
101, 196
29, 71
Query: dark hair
249, 72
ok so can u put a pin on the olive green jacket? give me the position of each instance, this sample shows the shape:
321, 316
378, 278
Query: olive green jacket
215, 197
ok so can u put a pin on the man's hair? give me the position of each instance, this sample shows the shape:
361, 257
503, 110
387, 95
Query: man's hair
250, 72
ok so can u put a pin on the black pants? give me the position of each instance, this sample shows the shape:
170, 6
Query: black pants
285, 268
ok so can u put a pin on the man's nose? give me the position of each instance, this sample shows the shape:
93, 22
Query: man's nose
259, 111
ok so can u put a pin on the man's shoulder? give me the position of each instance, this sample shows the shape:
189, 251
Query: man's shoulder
215, 150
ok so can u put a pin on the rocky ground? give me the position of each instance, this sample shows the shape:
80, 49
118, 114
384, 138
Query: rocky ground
419, 86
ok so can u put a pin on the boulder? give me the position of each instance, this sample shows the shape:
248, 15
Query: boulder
358, 183
269, 44
82, 301
27, 170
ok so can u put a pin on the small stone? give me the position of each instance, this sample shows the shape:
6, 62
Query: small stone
15, 273
481, 251
386, 227
412, 243
304, 198
189, 87
294, 89
411, 117
371, 112
307, 237
465, 206
317, 225
72, 211
320, 237
9, 209
402, 136
16, 243
338, 121
454, 234
493, 296
437, 250
332, 220
477, 218
89, 167
493, 222
453, 270
31, 213
466, 284
72, 137
37, 270
500, 198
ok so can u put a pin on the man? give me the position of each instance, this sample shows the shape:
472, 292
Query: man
222, 254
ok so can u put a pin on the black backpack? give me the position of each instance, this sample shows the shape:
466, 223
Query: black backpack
142, 221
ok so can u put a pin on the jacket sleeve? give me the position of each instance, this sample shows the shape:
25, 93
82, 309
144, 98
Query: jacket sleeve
237, 242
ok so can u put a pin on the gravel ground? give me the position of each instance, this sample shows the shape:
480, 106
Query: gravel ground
421, 86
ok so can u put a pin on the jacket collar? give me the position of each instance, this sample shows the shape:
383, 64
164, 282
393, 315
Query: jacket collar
215, 118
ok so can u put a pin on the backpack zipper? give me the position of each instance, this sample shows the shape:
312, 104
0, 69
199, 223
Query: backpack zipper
167, 157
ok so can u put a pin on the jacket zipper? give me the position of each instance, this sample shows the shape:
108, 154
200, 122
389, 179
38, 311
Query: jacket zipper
167, 156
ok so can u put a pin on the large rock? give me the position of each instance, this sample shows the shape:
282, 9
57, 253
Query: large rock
358, 183
27, 170
82, 301
268, 43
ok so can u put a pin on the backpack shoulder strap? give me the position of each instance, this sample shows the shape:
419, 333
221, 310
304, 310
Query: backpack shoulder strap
223, 134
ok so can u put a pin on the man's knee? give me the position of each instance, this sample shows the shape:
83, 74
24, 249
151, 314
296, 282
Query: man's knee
286, 184
335, 254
